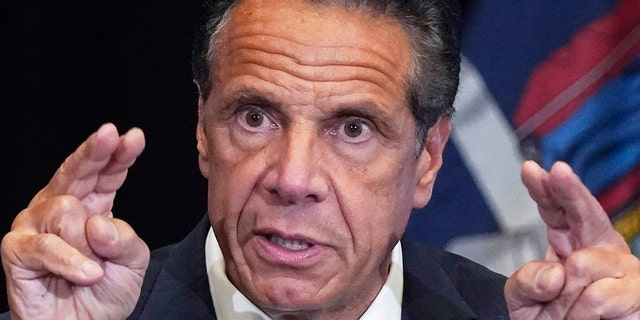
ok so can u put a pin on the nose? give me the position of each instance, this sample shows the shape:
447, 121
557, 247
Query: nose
295, 173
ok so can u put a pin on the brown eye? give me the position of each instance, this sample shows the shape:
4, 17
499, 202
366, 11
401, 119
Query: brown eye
254, 119
353, 129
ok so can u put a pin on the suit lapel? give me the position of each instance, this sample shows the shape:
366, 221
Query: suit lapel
176, 285
428, 293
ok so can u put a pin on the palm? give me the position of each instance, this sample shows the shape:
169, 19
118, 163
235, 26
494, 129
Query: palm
52, 297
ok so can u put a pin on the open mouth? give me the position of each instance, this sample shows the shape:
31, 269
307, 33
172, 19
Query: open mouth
289, 244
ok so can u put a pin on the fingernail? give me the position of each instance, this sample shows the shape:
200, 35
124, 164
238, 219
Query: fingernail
549, 278
91, 269
112, 233
106, 229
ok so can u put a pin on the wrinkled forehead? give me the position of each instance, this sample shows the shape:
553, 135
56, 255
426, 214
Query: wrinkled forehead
313, 32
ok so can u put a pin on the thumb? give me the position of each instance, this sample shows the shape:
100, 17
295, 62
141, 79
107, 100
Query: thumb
114, 240
535, 282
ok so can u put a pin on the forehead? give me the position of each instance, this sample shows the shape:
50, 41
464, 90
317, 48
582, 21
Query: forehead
314, 35
310, 22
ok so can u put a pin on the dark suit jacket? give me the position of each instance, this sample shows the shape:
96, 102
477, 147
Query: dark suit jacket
437, 284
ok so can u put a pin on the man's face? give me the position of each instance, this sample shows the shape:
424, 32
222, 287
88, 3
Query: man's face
309, 149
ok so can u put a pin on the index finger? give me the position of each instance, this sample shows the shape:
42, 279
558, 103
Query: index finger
98, 165
574, 216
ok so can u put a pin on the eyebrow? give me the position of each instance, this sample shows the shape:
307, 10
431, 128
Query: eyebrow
364, 110
250, 96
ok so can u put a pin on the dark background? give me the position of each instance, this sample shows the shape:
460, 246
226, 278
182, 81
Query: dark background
67, 67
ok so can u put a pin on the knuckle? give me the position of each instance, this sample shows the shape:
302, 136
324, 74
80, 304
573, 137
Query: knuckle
632, 262
592, 299
62, 212
15, 245
47, 244
67, 258
9, 243
67, 204
22, 219
521, 276
577, 261
12, 255
53, 211
44, 242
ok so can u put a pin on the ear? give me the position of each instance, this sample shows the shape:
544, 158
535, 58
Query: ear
430, 161
201, 136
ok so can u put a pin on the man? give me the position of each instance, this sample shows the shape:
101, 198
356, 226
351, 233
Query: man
321, 124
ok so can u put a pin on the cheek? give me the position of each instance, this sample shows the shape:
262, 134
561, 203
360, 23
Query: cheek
379, 202
234, 176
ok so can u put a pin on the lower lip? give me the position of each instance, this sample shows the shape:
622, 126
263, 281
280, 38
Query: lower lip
276, 254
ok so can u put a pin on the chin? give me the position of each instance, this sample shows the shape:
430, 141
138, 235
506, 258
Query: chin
294, 299
293, 312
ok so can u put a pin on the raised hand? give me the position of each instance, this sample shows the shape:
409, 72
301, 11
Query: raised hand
589, 271
66, 257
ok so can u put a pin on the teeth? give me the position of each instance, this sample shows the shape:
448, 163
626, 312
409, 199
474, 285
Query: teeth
295, 245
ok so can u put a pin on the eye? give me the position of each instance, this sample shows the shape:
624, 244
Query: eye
255, 120
353, 130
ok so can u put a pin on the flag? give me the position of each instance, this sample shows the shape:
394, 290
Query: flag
545, 80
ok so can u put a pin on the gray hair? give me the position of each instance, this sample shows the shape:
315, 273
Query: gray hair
433, 27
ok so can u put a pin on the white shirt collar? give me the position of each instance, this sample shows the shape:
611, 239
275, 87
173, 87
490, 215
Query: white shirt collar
230, 303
